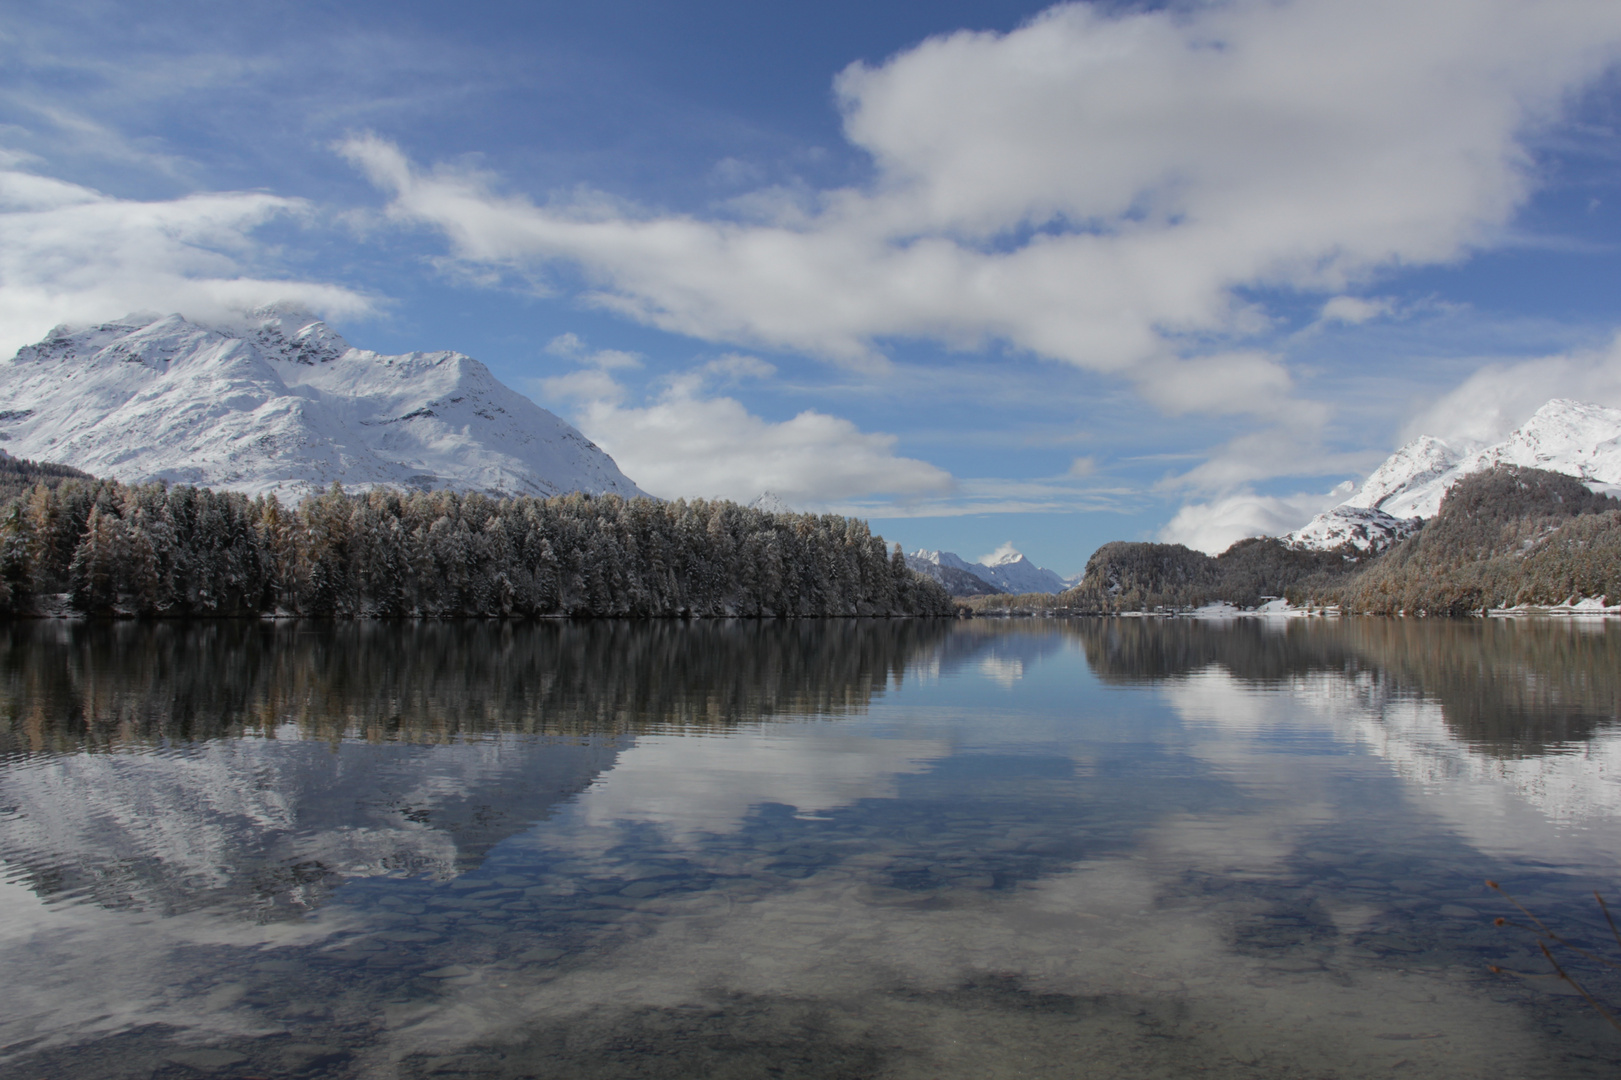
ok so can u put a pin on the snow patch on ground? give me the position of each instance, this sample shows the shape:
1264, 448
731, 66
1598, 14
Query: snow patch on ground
1589, 606
1275, 608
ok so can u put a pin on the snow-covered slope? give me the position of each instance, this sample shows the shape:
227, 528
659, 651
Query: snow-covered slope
956, 581
1363, 528
1007, 570
281, 403
1564, 436
1416, 467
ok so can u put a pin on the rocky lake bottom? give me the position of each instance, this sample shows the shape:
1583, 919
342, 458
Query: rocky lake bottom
841, 848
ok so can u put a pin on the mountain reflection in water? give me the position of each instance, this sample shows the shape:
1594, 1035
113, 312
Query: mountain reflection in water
851, 848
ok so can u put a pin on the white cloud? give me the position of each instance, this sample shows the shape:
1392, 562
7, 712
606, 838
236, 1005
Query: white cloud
566, 345
1289, 446
1237, 382
1354, 310
1092, 187
1005, 550
1499, 397
1214, 526
70, 254
689, 444
586, 384
737, 367
571, 346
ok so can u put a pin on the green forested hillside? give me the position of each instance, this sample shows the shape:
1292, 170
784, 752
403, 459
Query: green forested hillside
190, 551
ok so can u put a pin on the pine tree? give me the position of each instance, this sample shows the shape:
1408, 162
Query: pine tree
93, 571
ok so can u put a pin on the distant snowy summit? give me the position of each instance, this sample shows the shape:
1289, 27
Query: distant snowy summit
771, 503
280, 403
1564, 436
1006, 571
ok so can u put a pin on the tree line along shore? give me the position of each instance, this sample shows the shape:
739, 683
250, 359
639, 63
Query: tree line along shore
1506, 537
74, 544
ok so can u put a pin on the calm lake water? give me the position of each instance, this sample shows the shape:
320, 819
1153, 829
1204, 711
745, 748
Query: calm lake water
908, 849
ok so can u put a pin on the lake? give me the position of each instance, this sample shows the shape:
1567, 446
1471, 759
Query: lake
846, 848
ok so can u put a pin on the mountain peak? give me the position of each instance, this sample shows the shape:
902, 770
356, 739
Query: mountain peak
1006, 555
277, 401
288, 331
771, 503
1577, 438
1009, 572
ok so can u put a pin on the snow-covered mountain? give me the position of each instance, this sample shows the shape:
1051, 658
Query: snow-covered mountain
1571, 437
771, 503
280, 403
1006, 570
947, 569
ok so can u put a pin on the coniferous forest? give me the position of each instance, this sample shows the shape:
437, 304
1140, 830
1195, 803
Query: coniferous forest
98, 547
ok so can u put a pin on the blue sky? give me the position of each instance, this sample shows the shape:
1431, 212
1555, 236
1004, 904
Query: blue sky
981, 272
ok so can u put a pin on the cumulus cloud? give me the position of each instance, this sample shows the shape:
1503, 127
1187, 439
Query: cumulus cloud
1093, 187
1215, 526
689, 443
1495, 400
71, 254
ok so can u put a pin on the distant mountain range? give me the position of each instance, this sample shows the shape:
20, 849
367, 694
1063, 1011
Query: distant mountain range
1570, 437
1007, 571
278, 402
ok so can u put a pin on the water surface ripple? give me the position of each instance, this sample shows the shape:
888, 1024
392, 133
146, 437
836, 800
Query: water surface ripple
848, 848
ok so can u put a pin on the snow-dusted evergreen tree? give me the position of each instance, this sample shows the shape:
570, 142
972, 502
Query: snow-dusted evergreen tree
191, 551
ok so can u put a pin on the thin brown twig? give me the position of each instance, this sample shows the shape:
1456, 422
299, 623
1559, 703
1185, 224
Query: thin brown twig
1523, 909
1542, 928
1602, 906
1580, 989
1497, 969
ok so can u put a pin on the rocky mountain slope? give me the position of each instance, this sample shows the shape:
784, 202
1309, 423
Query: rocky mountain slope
1570, 437
280, 403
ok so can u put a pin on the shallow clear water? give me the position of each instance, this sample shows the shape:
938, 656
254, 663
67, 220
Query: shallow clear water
1095, 848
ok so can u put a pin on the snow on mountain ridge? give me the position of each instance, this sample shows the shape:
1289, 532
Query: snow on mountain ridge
1009, 571
280, 402
1576, 438
1363, 528
1424, 459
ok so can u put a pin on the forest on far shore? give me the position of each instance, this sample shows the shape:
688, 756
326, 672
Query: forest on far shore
70, 543
1504, 537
